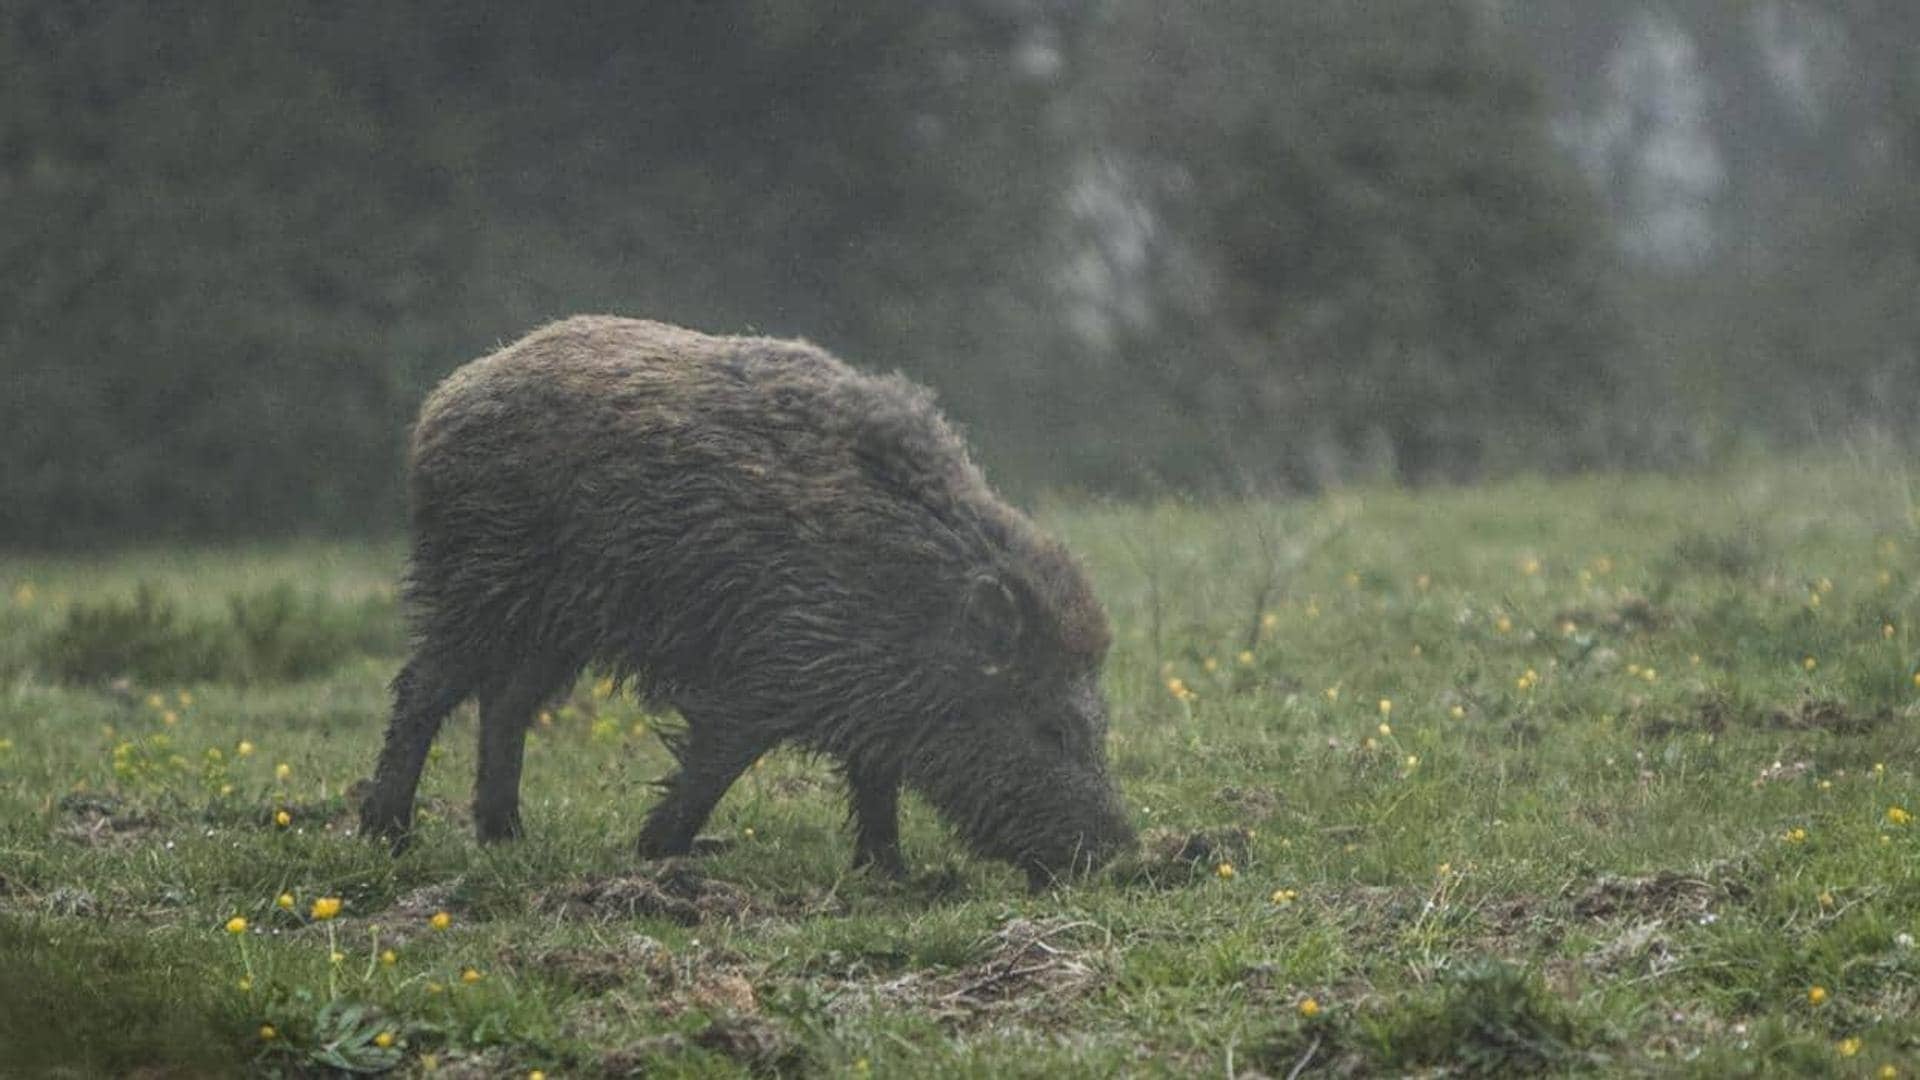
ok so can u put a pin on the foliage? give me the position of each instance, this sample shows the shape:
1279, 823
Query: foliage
1365, 244
271, 635
240, 241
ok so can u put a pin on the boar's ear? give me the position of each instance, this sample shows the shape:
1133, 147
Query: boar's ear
990, 620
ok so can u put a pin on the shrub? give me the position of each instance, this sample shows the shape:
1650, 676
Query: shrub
272, 635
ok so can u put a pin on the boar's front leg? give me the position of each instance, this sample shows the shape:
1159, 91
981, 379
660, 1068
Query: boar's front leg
710, 762
506, 712
874, 793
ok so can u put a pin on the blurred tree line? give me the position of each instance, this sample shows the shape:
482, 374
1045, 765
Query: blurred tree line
1136, 246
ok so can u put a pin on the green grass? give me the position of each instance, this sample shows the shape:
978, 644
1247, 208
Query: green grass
1641, 857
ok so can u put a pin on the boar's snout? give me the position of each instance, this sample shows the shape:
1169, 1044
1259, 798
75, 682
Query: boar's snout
1093, 837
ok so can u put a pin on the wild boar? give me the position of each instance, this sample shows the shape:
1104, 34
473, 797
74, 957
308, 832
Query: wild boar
783, 549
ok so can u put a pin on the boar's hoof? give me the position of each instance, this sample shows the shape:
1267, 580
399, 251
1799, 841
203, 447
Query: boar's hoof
887, 866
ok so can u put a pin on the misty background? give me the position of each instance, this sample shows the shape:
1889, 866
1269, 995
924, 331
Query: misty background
1137, 247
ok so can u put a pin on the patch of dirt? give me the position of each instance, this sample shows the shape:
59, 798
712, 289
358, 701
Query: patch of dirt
96, 820
756, 1043
598, 970
1201, 848
73, 902
488, 1064
1778, 772
1249, 802
1028, 967
1632, 615
759, 1044
1663, 895
1640, 948
1715, 713
671, 890
1816, 714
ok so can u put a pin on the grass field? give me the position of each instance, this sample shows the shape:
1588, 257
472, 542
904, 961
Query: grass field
1606, 775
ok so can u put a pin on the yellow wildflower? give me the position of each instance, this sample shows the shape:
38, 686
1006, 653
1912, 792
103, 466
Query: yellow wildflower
326, 907
1284, 896
1817, 995
440, 921
470, 975
245, 748
1848, 1047
383, 1040
1503, 624
282, 771
388, 957
267, 1034
237, 925
1386, 731
1245, 657
1224, 871
1810, 663
1898, 815
1458, 712
284, 901
282, 818
1309, 1008
1386, 706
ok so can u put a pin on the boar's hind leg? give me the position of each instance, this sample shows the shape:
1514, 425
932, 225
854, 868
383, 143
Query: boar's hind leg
506, 711
874, 792
709, 764
424, 693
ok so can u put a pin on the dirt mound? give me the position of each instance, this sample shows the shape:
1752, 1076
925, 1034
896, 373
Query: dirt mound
94, 820
1028, 966
758, 1044
597, 970
671, 890
1664, 895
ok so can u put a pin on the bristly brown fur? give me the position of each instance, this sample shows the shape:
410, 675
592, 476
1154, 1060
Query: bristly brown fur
783, 548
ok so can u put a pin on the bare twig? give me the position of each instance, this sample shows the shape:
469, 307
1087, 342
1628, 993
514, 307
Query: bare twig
1301, 1065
